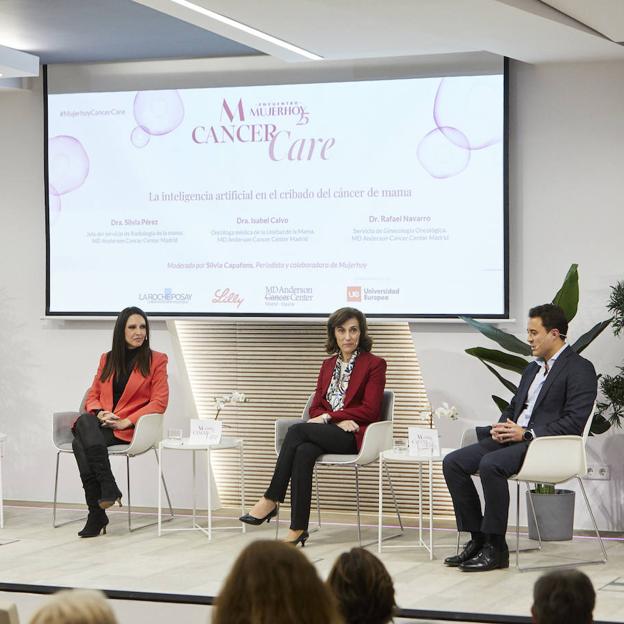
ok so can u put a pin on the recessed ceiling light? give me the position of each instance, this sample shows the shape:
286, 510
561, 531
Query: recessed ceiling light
247, 29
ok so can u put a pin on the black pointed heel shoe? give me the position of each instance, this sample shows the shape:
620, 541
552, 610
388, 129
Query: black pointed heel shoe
96, 524
302, 539
249, 519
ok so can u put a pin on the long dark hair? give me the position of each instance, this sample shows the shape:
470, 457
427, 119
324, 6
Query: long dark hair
273, 582
341, 316
116, 357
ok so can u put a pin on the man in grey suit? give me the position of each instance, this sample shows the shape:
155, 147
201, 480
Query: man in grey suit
555, 397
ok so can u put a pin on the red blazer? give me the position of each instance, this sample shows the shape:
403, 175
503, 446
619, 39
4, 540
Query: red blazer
364, 393
142, 395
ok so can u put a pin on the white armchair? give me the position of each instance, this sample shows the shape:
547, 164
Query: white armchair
147, 435
377, 438
553, 460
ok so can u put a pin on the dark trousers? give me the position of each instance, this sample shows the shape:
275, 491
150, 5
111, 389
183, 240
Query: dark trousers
302, 445
88, 434
495, 463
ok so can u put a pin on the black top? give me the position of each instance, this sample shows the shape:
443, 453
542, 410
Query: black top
119, 383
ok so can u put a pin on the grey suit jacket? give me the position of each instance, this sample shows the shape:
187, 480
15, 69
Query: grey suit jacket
565, 401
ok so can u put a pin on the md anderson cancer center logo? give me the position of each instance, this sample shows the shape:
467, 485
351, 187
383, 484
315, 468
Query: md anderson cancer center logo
166, 296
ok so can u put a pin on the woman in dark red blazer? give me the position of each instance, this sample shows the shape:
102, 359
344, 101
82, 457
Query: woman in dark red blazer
348, 397
131, 381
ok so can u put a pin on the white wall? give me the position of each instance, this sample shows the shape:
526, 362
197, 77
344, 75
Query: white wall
566, 183
566, 189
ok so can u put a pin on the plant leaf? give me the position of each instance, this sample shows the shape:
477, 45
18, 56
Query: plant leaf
505, 340
599, 425
510, 386
588, 337
568, 295
500, 403
499, 358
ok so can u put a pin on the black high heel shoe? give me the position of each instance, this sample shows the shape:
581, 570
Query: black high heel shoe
302, 539
249, 519
96, 524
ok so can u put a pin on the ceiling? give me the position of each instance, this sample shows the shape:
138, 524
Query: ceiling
80, 31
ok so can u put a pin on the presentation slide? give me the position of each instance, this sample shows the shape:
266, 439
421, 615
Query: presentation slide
386, 195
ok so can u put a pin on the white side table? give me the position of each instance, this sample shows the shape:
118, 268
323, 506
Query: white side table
393, 456
3, 437
186, 445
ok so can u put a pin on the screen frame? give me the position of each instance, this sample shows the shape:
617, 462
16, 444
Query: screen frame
283, 316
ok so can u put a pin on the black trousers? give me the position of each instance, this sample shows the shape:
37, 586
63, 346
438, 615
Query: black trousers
87, 433
302, 445
495, 463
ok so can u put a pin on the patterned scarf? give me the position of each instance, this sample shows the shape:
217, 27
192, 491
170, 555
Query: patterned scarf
339, 383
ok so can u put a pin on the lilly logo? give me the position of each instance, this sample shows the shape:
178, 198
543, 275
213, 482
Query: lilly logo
227, 296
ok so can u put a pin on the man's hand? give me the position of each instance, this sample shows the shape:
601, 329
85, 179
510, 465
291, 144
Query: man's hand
349, 425
318, 419
508, 431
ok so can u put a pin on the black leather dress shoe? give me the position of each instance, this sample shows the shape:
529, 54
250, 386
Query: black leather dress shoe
471, 549
488, 558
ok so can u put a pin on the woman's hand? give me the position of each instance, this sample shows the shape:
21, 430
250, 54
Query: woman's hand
118, 423
318, 419
349, 425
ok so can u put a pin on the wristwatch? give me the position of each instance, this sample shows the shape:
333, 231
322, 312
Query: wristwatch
528, 435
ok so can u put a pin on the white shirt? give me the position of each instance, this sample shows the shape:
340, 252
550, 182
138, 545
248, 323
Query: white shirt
536, 386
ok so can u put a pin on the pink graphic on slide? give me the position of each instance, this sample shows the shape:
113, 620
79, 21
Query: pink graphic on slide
139, 137
468, 116
472, 105
442, 157
54, 205
68, 164
68, 168
156, 113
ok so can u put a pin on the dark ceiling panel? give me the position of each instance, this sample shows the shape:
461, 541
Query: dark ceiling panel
83, 31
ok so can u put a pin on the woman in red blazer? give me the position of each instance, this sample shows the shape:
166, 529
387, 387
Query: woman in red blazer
348, 397
131, 381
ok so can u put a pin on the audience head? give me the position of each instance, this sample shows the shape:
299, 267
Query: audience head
75, 606
339, 318
563, 597
362, 587
274, 583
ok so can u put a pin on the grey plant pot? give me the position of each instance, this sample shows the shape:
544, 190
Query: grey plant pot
555, 515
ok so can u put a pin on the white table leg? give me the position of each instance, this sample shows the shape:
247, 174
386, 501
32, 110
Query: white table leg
420, 510
242, 484
430, 510
159, 489
209, 482
380, 517
194, 493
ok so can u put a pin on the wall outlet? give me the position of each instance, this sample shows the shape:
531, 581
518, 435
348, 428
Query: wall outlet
599, 472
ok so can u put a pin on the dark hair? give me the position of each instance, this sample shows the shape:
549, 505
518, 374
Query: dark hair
273, 582
362, 587
553, 317
116, 357
563, 597
342, 316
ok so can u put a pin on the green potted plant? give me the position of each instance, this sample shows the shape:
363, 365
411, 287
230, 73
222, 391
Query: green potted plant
610, 406
513, 359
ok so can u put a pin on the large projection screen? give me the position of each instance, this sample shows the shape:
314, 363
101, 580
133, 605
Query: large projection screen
280, 200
